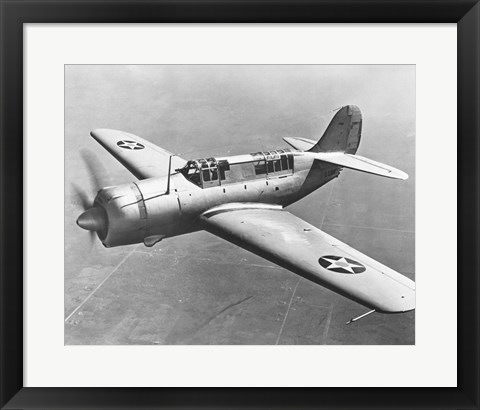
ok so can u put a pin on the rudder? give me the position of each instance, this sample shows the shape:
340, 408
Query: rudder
343, 133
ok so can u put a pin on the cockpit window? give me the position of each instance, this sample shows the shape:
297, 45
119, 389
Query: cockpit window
273, 163
223, 166
206, 175
210, 172
191, 171
204, 172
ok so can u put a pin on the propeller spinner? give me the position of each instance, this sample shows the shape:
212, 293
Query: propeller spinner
93, 219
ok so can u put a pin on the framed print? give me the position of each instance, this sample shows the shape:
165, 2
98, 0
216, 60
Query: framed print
267, 196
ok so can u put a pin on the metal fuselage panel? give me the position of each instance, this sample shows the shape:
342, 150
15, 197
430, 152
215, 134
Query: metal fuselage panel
144, 210
282, 190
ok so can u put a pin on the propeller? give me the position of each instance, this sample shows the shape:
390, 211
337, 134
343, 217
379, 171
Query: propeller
86, 204
93, 218
96, 171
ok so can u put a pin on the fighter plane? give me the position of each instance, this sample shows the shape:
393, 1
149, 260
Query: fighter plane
242, 199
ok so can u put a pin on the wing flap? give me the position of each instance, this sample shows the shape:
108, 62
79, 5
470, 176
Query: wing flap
292, 243
142, 158
360, 164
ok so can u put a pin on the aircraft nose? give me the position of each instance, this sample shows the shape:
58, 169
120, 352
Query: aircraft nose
92, 219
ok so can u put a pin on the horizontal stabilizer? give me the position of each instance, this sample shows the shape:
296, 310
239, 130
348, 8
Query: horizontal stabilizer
360, 164
302, 144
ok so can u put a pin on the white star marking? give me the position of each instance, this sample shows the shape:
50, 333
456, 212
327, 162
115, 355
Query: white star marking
342, 264
130, 145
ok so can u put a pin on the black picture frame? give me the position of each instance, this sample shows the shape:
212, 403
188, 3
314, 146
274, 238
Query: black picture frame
14, 13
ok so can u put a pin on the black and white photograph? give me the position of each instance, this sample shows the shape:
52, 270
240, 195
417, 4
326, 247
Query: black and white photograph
239, 205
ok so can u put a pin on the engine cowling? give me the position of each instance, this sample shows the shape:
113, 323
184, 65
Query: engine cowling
133, 213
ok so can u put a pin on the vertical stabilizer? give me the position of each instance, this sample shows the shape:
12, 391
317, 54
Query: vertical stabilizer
343, 133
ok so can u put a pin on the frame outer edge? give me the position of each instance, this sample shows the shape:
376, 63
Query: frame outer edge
468, 37
11, 203
11, 220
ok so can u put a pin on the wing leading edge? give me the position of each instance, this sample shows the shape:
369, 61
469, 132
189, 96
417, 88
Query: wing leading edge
142, 158
292, 243
346, 160
359, 163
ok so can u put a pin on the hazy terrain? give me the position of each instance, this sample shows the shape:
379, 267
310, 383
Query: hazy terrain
197, 288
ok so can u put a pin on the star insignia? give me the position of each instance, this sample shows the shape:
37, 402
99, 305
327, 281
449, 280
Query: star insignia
340, 264
133, 145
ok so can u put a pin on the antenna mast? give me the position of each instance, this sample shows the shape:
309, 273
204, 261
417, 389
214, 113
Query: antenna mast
169, 170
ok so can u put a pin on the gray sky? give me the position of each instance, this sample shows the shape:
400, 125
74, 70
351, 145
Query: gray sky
199, 111
215, 105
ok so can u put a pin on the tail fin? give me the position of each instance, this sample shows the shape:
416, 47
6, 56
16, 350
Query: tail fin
343, 133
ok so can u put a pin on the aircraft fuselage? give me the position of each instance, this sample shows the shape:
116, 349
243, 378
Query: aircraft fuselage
152, 209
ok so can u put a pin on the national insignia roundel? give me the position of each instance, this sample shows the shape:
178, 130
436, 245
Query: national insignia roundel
340, 264
125, 144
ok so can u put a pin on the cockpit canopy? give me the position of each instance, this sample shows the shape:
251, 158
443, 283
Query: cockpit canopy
210, 172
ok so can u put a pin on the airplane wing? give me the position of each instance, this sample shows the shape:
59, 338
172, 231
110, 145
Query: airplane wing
282, 238
142, 158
